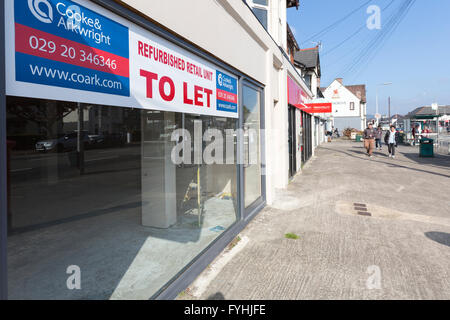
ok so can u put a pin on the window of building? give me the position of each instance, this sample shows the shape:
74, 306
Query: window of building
94, 188
307, 79
251, 100
352, 106
260, 8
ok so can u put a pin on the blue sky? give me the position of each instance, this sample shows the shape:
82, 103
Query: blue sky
415, 58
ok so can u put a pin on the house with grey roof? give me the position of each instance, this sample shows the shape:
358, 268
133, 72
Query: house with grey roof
307, 62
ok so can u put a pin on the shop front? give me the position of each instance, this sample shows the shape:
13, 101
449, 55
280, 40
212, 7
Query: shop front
322, 111
301, 127
133, 156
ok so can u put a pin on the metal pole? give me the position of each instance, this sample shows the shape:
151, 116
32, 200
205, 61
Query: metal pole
377, 106
389, 109
437, 124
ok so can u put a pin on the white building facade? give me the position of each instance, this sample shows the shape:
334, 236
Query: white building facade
349, 105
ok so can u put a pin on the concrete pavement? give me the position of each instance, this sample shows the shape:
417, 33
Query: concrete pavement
401, 251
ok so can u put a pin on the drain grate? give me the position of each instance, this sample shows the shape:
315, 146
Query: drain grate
359, 204
361, 209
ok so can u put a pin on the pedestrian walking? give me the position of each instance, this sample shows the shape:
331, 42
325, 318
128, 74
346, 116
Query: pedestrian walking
413, 131
378, 137
369, 139
391, 139
336, 131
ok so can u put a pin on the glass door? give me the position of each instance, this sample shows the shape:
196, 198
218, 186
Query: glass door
251, 101
292, 142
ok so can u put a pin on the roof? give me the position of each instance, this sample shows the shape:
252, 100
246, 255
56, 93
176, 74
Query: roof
292, 3
291, 37
427, 110
320, 93
398, 116
308, 57
358, 90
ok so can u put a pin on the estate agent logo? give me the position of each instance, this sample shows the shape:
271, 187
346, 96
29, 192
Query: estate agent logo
335, 94
37, 11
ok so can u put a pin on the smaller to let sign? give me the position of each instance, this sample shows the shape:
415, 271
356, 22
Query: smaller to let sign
324, 107
226, 90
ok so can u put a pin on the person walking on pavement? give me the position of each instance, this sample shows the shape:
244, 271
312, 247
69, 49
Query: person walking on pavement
369, 139
378, 137
391, 139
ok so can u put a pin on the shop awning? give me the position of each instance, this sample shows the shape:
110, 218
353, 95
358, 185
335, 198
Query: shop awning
424, 116
296, 95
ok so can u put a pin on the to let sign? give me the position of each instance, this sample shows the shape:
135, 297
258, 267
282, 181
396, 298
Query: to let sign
78, 51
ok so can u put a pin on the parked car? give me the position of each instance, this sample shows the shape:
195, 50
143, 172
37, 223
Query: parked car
68, 142
96, 139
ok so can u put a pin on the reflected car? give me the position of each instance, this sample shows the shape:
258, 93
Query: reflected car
67, 142
96, 139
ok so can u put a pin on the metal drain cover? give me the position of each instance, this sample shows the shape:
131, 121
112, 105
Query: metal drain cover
362, 213
359, 204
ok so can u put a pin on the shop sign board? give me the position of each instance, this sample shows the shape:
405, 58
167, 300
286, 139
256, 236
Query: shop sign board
78, 51
296, 95
322, 107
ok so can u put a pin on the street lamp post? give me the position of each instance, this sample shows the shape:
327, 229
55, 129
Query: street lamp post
376, 97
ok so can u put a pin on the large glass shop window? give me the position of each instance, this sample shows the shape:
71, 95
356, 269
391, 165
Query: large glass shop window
99, 209
252, 154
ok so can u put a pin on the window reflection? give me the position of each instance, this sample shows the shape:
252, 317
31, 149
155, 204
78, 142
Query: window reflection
252, 157
94, 186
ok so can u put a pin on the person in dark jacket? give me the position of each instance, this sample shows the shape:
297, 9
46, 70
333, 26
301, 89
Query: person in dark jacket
391, 139
378, 137
369, 139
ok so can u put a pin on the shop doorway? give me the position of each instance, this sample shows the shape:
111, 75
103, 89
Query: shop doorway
252, 167
307, 137
292, 142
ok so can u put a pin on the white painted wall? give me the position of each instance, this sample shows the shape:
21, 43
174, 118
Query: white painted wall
342, 98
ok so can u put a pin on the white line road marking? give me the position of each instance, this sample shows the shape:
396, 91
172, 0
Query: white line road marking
106, 158
20, 170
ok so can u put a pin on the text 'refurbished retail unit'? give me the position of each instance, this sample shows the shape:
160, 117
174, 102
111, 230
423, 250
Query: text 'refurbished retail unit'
134, 141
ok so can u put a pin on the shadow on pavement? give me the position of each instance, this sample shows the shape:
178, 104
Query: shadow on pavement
91, 214
393, 164
216, 296
438, 160
440, 237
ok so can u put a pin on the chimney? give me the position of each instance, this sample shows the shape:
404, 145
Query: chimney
339, 80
